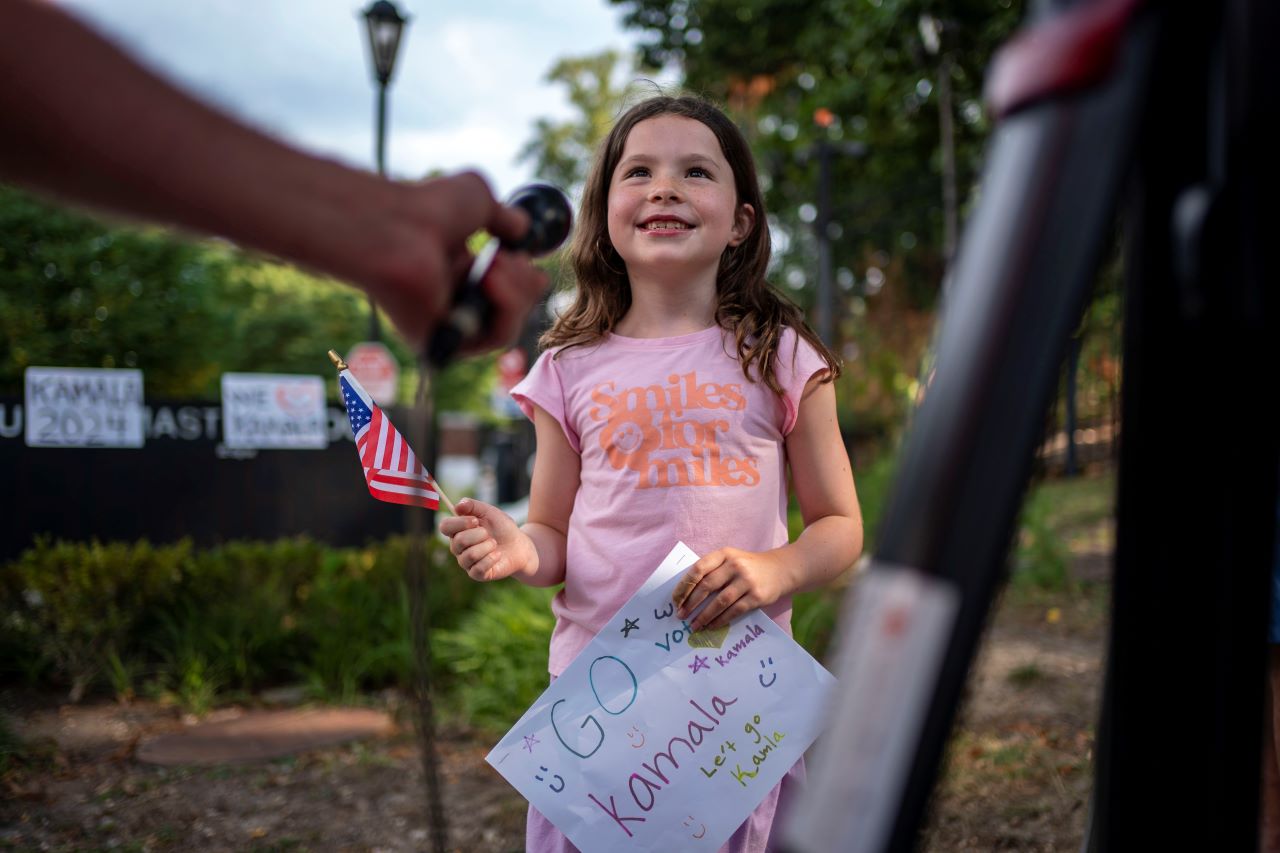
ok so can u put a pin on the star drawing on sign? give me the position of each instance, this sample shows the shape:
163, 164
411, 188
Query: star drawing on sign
529, 741
699, 662
631, 625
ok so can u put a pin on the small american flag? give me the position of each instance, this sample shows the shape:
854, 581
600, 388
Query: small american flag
391, 469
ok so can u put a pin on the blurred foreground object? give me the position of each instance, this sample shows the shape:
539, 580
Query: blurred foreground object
1084, 97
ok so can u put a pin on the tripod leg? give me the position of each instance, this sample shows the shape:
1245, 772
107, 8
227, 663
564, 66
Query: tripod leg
1023, 276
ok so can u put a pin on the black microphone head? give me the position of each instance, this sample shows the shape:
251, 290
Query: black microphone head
550, 218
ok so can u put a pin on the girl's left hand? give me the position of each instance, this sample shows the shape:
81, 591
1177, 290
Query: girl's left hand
735, 581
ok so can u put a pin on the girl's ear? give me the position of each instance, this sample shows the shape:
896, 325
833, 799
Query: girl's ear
744, 221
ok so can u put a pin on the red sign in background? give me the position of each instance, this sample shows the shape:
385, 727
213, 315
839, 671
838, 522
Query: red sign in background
377, 369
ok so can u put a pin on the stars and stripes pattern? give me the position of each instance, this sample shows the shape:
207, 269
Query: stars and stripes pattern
391, 468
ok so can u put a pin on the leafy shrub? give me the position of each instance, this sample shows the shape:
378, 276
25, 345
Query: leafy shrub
196, 626
813, 619
1040, 557
234, 616
814, 614
355, 617
497, 655
874, 481
76, 605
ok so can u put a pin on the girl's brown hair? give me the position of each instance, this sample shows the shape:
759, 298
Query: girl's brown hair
746, 304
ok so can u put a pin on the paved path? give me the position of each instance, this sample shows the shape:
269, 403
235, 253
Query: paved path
260, 735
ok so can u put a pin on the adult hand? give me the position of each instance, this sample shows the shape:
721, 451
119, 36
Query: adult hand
428, 257
487, 542
735, 581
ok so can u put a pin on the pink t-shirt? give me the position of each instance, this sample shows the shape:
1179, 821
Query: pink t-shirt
676, 445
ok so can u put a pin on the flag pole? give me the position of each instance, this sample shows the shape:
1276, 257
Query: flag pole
341, 366
443, 497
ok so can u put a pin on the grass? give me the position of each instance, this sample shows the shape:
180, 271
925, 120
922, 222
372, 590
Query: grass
1079, 502
1060, 518
1025, 675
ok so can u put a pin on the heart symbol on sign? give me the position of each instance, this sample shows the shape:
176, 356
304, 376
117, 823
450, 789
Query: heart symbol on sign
297, 398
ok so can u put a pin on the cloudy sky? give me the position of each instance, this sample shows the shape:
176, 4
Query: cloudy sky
469, 82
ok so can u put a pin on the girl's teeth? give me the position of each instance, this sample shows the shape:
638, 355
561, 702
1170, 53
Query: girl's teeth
666, 226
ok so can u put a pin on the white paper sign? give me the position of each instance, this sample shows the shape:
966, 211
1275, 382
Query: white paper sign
647, 742
266, 411
83, 407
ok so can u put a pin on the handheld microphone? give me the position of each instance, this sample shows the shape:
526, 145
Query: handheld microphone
550, 218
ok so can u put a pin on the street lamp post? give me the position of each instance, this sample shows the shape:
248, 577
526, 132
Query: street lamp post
384, 25
824, 149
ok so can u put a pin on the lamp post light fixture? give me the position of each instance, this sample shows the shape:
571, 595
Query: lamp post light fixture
384, 25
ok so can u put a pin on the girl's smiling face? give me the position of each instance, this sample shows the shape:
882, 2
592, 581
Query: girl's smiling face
673, 206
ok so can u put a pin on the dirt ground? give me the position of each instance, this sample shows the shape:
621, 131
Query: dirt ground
1018, 772
1019, 768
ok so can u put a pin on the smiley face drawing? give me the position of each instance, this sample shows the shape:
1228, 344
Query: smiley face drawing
552, 785
702, 827
773, 676
637, 731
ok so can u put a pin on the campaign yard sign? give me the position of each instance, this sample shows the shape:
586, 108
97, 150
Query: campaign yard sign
271, 411
653, 739
83, 407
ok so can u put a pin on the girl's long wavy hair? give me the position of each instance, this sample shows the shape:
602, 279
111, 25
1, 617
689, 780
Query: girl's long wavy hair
746, 304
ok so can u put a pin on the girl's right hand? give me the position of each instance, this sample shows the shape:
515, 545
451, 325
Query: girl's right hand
487, 542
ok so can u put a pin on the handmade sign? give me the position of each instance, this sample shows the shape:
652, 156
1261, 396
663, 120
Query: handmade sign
653, 739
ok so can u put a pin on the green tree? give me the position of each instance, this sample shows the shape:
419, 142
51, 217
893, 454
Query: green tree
79, 293
860, 77
865, 69
75, 291
286, 319
561, 150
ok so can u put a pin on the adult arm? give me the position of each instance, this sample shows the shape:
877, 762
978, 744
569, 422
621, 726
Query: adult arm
80, 120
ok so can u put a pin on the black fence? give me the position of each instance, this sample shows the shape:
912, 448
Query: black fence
184, 483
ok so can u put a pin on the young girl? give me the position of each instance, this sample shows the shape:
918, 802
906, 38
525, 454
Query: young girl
670, 400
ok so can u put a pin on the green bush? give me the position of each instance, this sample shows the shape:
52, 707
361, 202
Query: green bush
874, 481
815, 613
200, 626
1040, 557
813, 619
497, 655
75, 606
233, 618
355, 617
